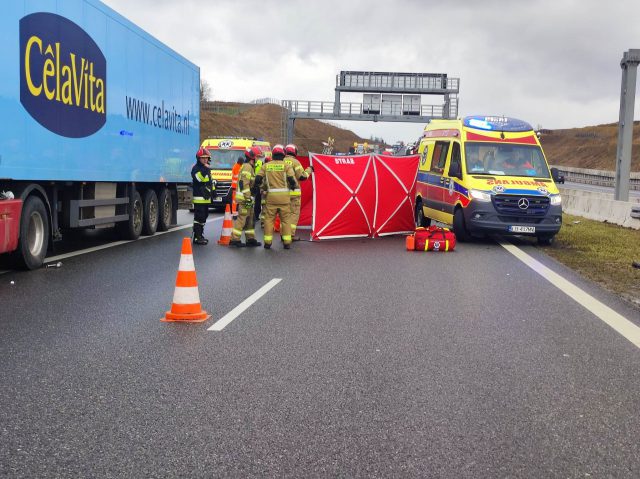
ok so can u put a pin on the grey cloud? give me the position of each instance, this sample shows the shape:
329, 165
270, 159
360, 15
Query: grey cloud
550, 61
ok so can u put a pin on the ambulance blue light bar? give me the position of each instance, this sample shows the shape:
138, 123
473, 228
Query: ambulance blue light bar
496, 123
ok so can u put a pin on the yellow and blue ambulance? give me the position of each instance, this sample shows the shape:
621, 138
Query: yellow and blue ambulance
486, 175
225, 152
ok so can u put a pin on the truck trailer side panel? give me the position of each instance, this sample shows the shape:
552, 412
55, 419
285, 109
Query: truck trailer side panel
150, 93
101, 121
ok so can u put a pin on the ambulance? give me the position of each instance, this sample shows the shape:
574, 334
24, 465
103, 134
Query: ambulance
486, 175
225, 151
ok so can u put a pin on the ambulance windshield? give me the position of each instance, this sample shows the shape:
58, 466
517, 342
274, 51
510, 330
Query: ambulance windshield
499, 159
224, 159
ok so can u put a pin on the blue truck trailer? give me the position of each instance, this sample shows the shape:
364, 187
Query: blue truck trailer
100, 123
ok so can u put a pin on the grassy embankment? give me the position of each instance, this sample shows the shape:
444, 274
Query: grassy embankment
602, 252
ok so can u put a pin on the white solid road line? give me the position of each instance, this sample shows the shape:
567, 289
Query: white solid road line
238, 310
615, 320
118, 243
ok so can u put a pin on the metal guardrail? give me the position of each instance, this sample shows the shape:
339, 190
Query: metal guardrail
348, 108
596, 177
226, 108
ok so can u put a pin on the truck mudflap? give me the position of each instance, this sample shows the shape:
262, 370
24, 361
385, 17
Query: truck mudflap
10, 211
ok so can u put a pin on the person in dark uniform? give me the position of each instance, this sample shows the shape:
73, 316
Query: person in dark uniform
203, 188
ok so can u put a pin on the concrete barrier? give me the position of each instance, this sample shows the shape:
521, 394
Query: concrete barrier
600, 207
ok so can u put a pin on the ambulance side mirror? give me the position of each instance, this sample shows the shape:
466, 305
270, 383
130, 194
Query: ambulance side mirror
455, 170
557, 177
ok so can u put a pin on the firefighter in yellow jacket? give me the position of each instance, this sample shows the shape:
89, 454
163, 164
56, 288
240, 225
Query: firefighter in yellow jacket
245, 220
301, 174
276, 180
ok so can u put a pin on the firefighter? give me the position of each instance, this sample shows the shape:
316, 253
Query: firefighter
235, 172
301, 174
258, 197
203, 188
245, 220
276, 179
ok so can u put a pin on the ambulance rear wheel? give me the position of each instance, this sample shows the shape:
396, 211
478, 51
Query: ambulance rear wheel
421, 220
460, 227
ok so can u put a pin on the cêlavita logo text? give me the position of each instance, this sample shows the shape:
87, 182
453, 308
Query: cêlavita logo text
63, 76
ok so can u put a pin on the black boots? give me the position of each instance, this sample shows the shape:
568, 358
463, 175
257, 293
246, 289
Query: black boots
198, 237
251, 243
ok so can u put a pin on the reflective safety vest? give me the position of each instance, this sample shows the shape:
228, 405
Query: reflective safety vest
203, 186
234, 175
258, 166
275, 175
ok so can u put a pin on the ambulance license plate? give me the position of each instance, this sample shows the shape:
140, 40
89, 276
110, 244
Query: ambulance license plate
522, 229
217, 200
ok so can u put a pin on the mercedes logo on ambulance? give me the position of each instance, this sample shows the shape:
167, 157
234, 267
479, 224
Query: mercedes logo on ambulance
523, 203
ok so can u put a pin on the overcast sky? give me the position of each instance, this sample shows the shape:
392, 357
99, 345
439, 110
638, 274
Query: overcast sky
553, 63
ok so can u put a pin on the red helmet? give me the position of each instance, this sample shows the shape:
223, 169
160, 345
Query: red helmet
278, 150
291, 149
249, 154
203, 153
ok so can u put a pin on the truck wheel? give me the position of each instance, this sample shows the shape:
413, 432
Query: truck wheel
459, 227
165, 206
421, 220
34, 234
150, 214
131, 229
545, 240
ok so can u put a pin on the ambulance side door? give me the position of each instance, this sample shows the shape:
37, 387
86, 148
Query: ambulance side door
449, 196
425, 150
435, 188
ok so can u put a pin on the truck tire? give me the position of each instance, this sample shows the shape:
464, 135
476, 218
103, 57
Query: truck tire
150, 213
421, 220
131, 229
459, 227
165, 209
34, 234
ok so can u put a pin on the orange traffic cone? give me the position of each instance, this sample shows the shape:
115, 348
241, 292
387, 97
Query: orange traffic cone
227, 226
186, 299
276, 224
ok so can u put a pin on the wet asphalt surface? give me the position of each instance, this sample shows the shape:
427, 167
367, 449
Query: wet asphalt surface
364, 361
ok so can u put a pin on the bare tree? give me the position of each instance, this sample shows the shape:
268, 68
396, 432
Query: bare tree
205, 90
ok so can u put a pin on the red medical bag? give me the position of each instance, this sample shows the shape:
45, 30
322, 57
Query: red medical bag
432, 238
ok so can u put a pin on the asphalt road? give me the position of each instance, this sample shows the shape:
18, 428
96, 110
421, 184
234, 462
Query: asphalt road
364, 361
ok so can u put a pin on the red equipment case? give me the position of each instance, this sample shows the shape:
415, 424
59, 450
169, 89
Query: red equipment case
432, 238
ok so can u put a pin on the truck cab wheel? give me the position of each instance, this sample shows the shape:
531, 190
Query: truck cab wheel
131, 229
165, 209
34, 234
150, 213
460, 227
